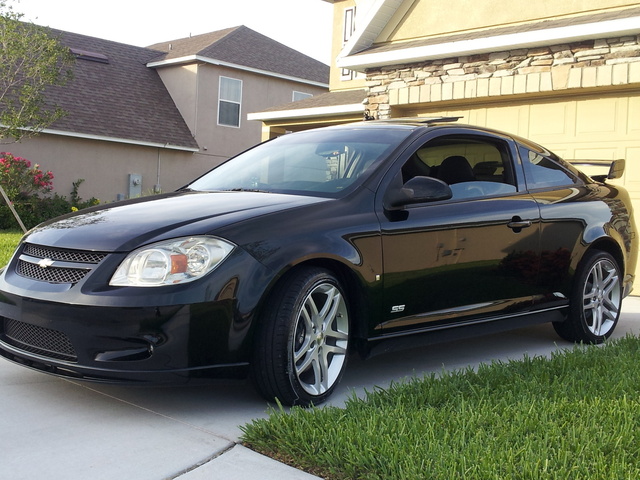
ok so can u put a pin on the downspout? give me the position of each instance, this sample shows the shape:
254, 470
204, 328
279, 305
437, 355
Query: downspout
157, 188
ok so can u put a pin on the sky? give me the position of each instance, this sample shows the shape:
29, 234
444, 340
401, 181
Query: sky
304, 25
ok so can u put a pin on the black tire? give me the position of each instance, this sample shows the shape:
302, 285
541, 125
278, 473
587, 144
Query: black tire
595, 300
302, 339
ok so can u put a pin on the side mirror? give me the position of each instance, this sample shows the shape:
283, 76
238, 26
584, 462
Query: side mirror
418, 190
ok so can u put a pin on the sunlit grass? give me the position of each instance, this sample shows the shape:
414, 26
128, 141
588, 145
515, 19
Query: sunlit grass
9, 240
575, 415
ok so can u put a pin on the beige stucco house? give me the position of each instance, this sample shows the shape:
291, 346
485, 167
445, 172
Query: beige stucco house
564, 74
145, 119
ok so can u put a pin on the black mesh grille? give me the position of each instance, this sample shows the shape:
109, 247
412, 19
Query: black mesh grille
77, 256
50, 274
69, 267
39, 340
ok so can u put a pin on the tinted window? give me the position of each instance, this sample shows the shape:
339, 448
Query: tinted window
471, 166
542, 171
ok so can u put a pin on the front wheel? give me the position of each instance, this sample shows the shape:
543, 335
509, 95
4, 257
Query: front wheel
595, 300
302, 340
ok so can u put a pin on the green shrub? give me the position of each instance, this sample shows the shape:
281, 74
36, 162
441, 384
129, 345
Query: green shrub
28, 188
34, 210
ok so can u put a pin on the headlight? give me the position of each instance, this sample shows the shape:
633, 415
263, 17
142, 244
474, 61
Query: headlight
175, 261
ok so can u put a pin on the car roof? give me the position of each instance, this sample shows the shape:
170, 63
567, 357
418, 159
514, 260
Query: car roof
426, 122
418, 123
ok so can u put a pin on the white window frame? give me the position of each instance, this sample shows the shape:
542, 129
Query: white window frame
239, 103
348, 28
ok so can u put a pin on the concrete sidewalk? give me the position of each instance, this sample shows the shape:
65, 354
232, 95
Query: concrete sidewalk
60, 429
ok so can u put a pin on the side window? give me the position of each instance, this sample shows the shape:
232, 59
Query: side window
543, 172
471, 166
229, 101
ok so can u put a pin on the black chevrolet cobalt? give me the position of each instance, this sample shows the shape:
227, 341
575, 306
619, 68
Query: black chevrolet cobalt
281, 262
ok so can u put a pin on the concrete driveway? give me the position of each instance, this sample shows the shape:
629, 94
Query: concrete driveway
59, 429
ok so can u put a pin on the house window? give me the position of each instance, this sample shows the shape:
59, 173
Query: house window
347, 30
300, 96
229, 101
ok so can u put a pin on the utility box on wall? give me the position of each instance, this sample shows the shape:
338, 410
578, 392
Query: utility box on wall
135, 185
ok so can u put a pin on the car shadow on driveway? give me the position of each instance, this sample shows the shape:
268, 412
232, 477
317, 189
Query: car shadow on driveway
223, 406
100, 421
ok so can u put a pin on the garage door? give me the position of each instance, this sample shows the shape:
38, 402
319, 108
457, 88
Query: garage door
581, 127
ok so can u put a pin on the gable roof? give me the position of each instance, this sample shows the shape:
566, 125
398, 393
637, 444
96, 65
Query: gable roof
246, 49
375, 20
361, 51
115, 97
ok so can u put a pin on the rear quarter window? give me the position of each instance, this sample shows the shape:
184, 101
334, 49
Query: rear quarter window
545, 171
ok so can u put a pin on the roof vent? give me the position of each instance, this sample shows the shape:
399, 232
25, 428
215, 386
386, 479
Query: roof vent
91, 56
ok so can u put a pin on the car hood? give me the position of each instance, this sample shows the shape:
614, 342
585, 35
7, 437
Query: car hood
124, 226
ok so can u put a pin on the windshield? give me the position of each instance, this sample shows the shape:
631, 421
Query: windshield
322, 162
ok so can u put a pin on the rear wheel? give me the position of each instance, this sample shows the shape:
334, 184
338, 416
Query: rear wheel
595, 301
302, 340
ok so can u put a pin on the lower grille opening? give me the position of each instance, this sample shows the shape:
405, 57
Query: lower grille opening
39, 340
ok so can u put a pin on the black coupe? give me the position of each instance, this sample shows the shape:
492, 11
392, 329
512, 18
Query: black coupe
288, 257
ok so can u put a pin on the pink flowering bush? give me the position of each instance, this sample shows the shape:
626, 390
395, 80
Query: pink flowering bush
22, 180
29, 191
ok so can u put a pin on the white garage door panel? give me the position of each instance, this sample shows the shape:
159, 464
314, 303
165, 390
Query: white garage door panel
504, 118
634, 117
598, 117
551, 121
599, 153
632, 175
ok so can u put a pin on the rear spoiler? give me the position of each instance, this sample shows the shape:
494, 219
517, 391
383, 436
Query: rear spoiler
616, 168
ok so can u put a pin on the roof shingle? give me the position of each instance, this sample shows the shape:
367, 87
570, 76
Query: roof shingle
245, 47
121, 98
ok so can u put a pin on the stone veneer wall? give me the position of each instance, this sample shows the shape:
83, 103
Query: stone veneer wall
587, 64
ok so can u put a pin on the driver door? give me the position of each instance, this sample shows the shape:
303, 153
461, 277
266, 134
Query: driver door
470, 257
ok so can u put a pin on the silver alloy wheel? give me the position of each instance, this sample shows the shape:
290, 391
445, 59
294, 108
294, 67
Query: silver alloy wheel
320, 339
601, 297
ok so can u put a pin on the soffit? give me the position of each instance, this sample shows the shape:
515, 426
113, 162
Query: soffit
616, 23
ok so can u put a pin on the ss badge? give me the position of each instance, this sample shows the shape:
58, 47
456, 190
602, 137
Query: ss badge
397, 309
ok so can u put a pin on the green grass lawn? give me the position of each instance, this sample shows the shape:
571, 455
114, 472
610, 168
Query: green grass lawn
573, 416
9, 240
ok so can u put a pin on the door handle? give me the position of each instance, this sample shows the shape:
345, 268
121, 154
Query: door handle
516, 224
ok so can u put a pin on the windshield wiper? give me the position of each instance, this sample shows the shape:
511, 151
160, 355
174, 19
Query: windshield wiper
247, 190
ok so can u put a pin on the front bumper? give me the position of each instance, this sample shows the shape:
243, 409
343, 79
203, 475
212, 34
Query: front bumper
131, 345
164, 334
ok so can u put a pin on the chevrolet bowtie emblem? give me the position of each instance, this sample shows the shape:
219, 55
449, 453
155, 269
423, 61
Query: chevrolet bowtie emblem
45, 262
